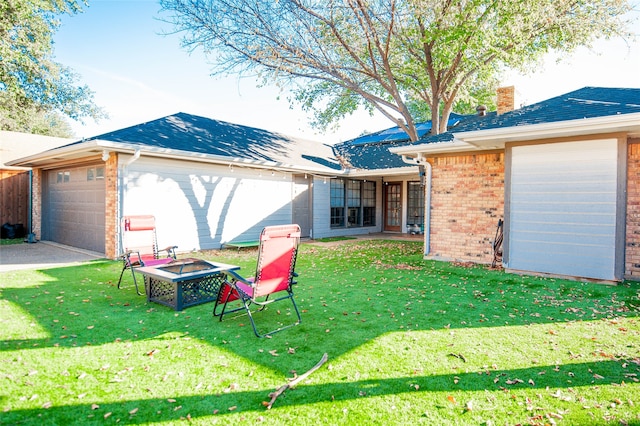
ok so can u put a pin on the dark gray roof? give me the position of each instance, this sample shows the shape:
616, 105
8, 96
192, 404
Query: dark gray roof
588, 102
191, 133
371, 151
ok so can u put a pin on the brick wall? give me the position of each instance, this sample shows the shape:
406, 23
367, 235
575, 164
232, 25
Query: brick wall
467, 199
111, 207
36, 201
632, 248
506, 99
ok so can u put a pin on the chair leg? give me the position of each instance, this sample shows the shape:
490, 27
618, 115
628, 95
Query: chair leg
226, 290
133, 274
134, 278
295, 307
121, 273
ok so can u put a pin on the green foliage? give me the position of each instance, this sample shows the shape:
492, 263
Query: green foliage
389, 54
409, 341
32, 84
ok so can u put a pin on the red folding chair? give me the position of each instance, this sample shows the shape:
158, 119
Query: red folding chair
140, 245
274, 276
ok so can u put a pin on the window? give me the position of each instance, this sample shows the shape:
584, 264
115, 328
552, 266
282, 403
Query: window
353, 203
63, 177
91, 173
337, 202
415, 208
100, 173
368, 203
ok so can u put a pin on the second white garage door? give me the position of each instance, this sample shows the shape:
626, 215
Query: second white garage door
563, 209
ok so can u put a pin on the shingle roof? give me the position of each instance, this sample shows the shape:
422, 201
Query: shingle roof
371, 151
589, 102
192, 133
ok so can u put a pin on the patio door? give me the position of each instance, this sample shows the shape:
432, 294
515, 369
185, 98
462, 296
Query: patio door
393, 206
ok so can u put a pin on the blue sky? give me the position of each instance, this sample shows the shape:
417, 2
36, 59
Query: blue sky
139, 75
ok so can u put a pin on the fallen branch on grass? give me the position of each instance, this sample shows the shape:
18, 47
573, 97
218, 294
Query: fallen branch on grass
293, 382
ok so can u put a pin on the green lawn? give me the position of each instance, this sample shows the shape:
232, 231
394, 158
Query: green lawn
409, 341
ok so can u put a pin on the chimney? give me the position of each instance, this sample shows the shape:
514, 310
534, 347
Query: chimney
506, 101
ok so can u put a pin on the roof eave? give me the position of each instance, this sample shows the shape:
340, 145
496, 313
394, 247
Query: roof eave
491, 139
97, 147
395, 171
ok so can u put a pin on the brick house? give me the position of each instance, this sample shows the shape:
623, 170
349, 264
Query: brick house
563, 173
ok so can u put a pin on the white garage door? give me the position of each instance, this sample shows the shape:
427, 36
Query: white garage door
73, 207
563, 209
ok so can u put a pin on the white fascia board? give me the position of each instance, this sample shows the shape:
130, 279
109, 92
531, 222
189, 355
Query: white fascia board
397, 171
482, 140
98, 146
432, 148
586, 126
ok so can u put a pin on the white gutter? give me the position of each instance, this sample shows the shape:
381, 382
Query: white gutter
130, 148
589, 126
421, 161
135, 156
478, 140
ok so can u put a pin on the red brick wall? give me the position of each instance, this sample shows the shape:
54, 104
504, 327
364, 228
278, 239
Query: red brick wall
36, 201
467, 199
111, 206
632, 248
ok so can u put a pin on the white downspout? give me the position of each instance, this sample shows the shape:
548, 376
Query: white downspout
421, 161
122, 170
427, 211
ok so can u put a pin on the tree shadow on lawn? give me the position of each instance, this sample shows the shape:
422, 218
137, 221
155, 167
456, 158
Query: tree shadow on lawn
568, 377
355, 302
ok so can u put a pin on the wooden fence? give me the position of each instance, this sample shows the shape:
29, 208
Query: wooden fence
14, 197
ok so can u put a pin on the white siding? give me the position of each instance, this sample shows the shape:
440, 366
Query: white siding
563, 209
199, 206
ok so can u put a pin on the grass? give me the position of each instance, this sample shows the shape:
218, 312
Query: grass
334, 239
409, 342
11, 241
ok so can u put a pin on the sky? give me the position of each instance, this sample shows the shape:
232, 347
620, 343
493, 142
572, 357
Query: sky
138, 74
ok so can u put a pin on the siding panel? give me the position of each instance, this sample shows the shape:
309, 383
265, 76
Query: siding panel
204, 206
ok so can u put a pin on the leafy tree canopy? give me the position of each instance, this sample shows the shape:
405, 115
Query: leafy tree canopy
34, 89
387, 54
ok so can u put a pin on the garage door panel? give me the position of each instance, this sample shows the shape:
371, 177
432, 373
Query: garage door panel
563, 208
574, 173
73, 209
564, 192
567, 216
537, 227
557, 240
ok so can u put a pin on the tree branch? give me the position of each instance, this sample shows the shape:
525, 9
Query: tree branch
294, 382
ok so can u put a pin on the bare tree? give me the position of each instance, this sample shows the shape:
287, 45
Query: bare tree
340, 55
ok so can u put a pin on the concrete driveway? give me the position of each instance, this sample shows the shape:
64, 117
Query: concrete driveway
42, 255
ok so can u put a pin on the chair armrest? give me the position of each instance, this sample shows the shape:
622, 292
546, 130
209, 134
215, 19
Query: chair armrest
237, 277
126, 256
